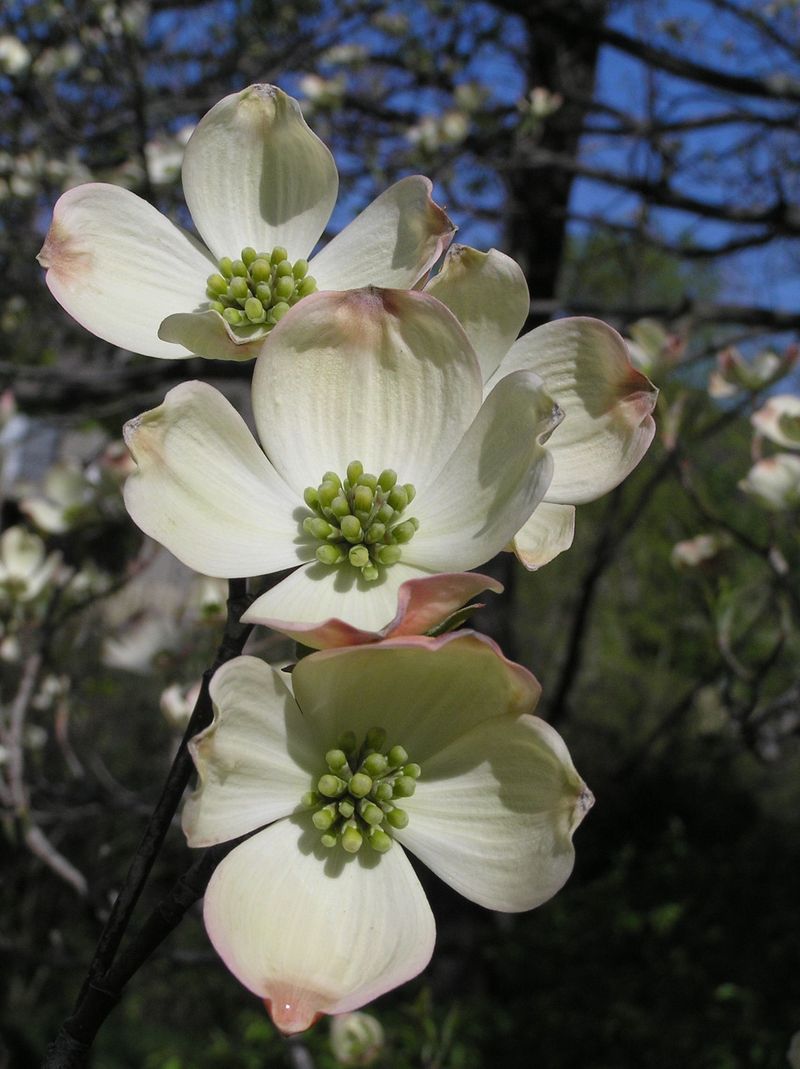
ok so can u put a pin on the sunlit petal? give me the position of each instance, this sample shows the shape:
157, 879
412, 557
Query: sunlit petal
314, 932
255, 175
119, 266
392, 243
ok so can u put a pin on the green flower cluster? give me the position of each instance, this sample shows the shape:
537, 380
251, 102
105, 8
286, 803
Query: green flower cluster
259, 289
359, 519
356, 798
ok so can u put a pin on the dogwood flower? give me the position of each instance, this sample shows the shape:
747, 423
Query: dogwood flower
260, 187
584, 366
25, 566
425, 745
774, 482
384, 466
779, 420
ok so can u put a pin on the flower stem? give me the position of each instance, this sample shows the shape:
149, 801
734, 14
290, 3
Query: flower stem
104, 980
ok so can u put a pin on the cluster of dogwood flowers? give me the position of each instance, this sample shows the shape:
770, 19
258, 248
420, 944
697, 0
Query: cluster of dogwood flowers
406, 436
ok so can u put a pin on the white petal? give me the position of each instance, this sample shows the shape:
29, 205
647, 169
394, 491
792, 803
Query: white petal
317, 593
779, 420
497, 476
207, 334
254, 762
775, 481
255, 174
425, 692
607, 404
422, 603
493, 814
311, 931
548, 532
205, 490
119, 267
392, 243
488, 294
386, 377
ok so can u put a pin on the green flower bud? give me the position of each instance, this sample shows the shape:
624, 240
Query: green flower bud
278, 255
346, 809
375, 764
311, 497
284, 270
354, 469
375, 533
387, 479
336, 760
398, 818
360, 785
410, 490
260, 270
217, 306
362, 498
329, 840
379, 840
225, 266
307, 286
370, 812
340, 506
398, 498
404, 787
352, 840
385, 513
264, 293
358, 556
278, 311
412, 770
397, 756
329, 554
300, 269
404, 532
309, 798
384, 792
248, 255
284, 288
331, 786
327, 493
217, 284
317, 527
233, 316
254, 310
351, 528
389, 554
239, 268
368, 480
323, 818
370, 573
238, 289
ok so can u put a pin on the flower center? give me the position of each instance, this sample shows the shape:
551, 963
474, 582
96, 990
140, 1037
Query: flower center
359, 520
258, 289
355, 800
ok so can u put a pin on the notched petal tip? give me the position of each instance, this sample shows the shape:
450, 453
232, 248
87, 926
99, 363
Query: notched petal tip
62, 255
207, 334
583, 804
293, 1012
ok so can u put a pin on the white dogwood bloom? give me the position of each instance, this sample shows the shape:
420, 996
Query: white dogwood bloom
584, 366
25, 566
384, 464
774, 482
779, 420
425, 745
260, 187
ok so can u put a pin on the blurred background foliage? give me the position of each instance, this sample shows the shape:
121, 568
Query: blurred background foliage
642, 161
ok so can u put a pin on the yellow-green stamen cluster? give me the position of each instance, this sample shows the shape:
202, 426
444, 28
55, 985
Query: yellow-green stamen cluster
259, 289
355, 801
359, 520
